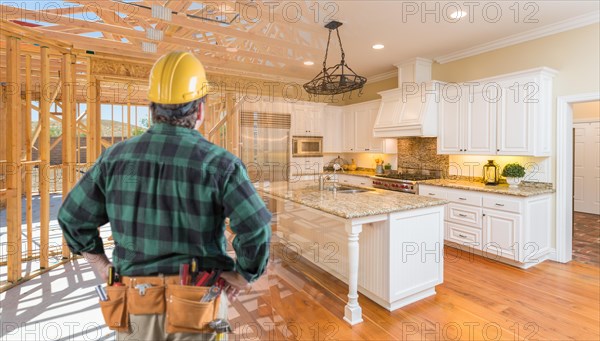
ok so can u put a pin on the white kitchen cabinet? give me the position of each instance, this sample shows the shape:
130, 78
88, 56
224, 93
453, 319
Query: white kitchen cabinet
511, 229
463, 235
524, 114
307, 119
354, 180
333, 127
501, 235
349, 132
365, 119
467, 125
503, 115
359, 120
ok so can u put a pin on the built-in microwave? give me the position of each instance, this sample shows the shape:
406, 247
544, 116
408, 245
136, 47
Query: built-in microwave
307, 146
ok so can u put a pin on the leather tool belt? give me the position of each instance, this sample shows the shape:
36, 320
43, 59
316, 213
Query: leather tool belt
159, 295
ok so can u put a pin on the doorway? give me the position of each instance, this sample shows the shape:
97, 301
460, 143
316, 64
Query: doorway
565, 173
586, 182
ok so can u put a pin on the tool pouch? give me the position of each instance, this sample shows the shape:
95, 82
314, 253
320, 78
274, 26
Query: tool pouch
115, 309
185, 312
147, 301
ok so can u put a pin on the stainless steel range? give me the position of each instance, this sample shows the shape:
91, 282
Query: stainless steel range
406, 181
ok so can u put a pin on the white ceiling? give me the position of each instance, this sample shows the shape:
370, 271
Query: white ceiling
407, 35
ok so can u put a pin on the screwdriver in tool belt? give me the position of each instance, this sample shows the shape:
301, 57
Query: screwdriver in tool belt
111, 276
194, 270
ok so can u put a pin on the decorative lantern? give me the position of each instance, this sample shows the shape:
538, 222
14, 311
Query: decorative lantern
491, 173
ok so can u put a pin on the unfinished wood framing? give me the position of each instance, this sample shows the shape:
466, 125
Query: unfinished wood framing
44, 149
56, 83
93, 138
260, 46
13, 159
28, 155
68, 132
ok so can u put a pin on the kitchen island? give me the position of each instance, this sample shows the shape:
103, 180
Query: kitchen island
401, 240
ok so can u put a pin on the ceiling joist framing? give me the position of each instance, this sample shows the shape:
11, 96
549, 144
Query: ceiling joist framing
269, 45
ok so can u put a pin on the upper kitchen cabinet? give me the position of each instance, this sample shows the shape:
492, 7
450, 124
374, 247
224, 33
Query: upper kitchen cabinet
333, 128
359, 120
467, 121
525, 113
504, 115
307, 119
349, 132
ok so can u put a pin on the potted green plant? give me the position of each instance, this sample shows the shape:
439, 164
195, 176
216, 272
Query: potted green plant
514, 173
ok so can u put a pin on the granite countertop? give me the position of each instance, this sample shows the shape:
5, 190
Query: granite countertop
528, 189
347, 205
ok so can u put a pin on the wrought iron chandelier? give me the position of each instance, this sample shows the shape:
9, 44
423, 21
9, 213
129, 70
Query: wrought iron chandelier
337, 79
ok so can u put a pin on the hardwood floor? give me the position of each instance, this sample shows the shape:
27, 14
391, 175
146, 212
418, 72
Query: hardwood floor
586, 238
479, 300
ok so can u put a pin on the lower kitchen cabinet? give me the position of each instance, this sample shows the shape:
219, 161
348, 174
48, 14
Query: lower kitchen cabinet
501, 233
468, 236
511, 229
354, 180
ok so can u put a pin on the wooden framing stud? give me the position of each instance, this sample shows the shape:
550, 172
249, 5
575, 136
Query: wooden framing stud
28, 168
44, 149
13, 158
68, 132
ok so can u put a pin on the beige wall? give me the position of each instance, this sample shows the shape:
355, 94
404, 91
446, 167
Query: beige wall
586, 111
574, 54
370, 91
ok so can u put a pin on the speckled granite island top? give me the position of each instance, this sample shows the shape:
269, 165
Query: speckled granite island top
348, 205
524, 190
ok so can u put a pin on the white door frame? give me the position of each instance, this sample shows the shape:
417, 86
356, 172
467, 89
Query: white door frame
564, 173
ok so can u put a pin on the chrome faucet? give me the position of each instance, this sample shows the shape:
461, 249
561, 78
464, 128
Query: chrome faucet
327, 177
322, 179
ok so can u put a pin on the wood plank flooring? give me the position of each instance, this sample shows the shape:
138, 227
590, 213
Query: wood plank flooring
479, 300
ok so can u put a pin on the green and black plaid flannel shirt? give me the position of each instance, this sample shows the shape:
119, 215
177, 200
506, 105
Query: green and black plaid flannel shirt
166, 195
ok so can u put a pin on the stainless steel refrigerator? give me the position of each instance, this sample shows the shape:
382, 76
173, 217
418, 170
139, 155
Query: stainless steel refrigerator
265, 145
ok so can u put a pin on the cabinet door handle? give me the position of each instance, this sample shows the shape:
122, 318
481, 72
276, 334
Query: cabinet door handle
431, 193
501, 205
462, 235
462, 215
462, 198
497, 150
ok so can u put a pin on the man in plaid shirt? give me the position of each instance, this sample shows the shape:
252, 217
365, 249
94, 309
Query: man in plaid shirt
167, 193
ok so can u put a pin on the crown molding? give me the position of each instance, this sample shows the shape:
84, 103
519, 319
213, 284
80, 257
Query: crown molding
383, 76
561, 26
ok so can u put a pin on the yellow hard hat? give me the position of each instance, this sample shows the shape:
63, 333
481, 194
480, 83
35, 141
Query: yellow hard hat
177, 78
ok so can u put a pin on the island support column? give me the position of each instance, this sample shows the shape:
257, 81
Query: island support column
353, 311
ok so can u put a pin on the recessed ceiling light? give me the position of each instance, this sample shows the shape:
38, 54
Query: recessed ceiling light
378, 46
231, 49
458, 14
309, 63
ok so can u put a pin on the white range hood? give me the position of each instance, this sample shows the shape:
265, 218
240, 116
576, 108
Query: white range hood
411, 109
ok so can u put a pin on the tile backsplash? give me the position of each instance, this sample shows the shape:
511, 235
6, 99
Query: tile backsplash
421, 152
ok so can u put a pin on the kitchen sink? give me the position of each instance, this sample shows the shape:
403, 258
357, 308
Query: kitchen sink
347, 189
